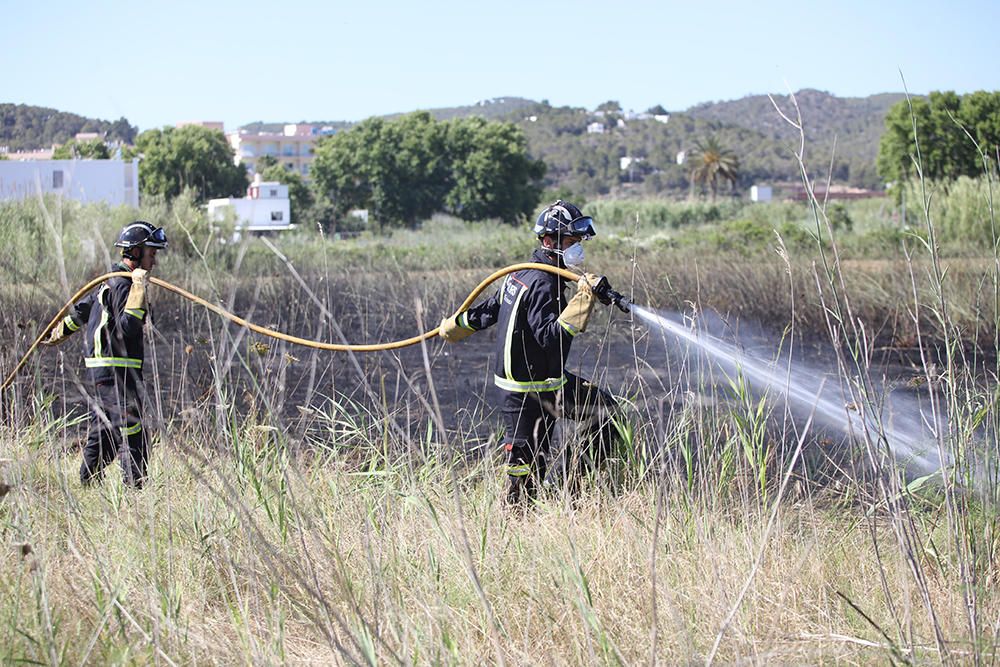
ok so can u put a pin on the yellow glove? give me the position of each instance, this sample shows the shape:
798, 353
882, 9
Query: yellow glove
576, 313
452, 331
592, 279
56, 336
136, 299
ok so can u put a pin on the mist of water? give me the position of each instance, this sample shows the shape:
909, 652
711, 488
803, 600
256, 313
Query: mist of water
906, 429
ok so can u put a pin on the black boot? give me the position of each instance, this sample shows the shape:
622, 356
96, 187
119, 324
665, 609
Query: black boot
521, 490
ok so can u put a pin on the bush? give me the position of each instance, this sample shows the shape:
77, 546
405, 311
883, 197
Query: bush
661, 213
746, 236
959, 210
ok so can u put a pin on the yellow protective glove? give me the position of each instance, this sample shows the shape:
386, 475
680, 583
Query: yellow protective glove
452, 331
592, 279
576, 313
136, 299
56, 336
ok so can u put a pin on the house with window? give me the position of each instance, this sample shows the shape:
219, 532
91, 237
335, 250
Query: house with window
115, 182
266, 208
294, 148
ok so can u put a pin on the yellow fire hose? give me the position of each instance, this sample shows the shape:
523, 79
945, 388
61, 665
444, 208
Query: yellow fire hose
332, 347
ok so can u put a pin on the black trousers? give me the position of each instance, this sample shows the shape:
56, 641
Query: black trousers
531, 418
115, 430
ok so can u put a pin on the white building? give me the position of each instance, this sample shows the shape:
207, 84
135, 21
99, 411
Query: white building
628, 161
115, 182
760, 193
595, 128
294, 147
265, 208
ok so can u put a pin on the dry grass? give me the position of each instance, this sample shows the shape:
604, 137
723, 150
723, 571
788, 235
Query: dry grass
376, 567
280, 528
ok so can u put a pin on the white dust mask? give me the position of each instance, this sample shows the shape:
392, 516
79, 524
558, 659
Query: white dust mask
573, 256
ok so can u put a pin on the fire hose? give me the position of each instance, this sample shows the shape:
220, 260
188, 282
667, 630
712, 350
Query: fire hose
602, 291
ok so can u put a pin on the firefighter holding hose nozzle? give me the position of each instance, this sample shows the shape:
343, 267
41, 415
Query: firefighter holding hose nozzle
537, 327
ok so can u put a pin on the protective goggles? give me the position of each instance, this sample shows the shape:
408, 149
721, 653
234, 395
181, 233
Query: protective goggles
157, 238
582, 227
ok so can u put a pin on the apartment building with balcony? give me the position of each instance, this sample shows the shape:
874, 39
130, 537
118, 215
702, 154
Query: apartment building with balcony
293, 148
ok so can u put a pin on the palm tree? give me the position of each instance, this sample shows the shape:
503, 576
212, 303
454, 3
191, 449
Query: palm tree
709, 162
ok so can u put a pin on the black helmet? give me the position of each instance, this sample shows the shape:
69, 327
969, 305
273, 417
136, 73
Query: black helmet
564, 219
141, 233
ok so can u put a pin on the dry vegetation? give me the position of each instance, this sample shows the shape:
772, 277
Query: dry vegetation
317, 508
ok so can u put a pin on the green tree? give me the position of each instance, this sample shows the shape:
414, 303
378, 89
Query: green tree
980, 114
941, 125
121, 131
492, 175
611, 106
405, 170
657, 110
710, 161
396, 169
85, 150
192, 156
298, 192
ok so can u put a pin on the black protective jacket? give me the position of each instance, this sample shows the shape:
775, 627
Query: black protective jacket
533, 343
113, 345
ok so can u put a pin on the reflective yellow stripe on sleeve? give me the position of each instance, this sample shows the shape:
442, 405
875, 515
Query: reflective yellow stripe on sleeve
522, 470
137, 313
131, 430
572, 330
70, 324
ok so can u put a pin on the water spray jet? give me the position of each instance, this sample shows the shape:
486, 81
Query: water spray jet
903, 431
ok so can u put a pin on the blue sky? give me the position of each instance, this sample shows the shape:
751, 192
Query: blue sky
159, 63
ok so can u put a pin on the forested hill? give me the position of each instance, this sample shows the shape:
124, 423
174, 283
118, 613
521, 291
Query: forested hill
589, 163
856, 123
842, 133
824, 115
498, 108
25, 128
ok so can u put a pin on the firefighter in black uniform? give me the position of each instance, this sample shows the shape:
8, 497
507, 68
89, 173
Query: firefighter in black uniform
537, 326
113, 317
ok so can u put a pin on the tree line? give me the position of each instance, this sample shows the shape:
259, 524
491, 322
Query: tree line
24, 127
405, 170
402, 171
947, 135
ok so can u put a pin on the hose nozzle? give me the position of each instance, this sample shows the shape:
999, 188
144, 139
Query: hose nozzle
608, 296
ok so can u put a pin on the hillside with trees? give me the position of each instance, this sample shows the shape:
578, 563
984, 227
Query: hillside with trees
586, 163
847, 129
608, 151
498, 108
26, 128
